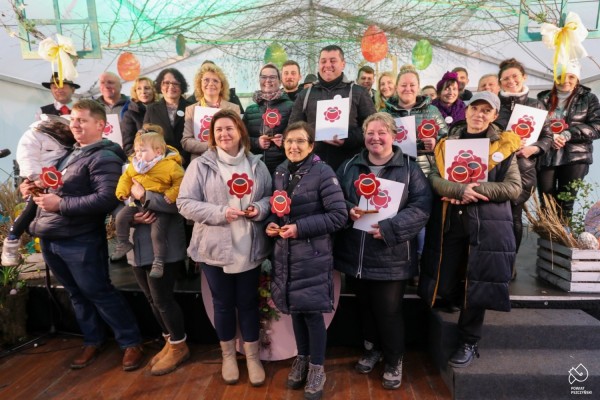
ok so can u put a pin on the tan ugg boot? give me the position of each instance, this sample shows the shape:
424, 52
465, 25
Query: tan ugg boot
229, 370
161, 353
178, 353
256, 372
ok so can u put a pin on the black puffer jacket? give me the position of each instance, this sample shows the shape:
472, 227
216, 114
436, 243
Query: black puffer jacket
254, 119
527, 166
358, 253
303, 267
583, 117
87, 194
131, 122
360, 108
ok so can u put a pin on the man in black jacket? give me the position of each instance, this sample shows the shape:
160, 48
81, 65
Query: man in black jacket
70, 225
332, 82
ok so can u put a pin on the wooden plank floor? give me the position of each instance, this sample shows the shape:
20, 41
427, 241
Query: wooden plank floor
44, 373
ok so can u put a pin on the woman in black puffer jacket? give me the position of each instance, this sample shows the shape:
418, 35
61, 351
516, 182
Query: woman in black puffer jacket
132, 118
571, 154
303, 258
268, 117
380, 261
513, 91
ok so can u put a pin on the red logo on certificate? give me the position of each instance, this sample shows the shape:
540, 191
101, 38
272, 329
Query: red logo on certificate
367, 185
427, 129
401, 134
51, 177
272, 117
466, 168
280, 203
204, 128
381, 200
240, 185
523, 127
108, 129
332, 114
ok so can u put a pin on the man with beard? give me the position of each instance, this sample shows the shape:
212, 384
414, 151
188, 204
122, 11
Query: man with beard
290, 78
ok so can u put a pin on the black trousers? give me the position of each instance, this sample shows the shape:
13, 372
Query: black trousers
380, 306
453, 272
553, 180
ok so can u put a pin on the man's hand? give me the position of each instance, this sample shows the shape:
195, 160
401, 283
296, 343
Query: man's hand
48, 201
146, 217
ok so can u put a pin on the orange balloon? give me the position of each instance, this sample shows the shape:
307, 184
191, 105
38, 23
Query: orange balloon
128, 66
374, 44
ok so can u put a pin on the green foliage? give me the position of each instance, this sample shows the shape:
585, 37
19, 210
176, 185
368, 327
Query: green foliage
584, 198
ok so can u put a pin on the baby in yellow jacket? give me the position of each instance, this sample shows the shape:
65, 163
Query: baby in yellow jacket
157, 167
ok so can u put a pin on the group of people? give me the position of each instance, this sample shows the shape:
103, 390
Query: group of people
226, 185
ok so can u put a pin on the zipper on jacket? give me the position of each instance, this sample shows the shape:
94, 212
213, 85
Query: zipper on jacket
361, 253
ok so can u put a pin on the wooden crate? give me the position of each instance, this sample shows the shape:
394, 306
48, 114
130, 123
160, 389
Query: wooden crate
573, 270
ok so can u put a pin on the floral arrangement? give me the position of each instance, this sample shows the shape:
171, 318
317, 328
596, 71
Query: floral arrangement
267, 310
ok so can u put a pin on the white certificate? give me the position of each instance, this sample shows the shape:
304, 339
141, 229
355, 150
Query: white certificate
386, 202
527, 122
202, 118
406, 136
466, 160
112, 129
333, 118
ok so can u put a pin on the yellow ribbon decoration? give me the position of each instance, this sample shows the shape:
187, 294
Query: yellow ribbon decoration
59, 52
566, 43
562, 40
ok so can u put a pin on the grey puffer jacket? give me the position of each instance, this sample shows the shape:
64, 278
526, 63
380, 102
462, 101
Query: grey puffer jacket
358, 253
87, 194
583, 117
203, 198
422, 110
303, 267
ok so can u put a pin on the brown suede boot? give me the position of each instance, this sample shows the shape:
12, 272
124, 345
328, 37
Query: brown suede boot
178, 353
229, 370
161, 353
256, 372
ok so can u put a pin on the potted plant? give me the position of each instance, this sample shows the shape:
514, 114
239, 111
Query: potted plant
568, 256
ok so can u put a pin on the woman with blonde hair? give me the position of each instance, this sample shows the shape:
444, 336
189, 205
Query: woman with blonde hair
211, 89
142, 94
387, 86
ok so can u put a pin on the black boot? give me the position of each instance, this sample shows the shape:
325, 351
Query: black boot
464, 355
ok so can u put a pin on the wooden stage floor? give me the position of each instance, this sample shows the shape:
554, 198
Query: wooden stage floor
43, 373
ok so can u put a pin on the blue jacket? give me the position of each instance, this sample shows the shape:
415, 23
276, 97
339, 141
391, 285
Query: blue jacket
87, 194
303, 267
357, 253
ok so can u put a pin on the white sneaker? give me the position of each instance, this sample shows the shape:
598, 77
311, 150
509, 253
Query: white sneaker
10, 253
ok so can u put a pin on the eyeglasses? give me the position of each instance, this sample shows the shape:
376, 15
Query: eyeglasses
514, 77
268, 78
167, 83
299, 142
208, 81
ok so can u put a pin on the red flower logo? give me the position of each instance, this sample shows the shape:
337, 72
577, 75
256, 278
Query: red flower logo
524, 126
367, 185
108, 129
51, 177
401, 135
558, 125
466, 168
332, 114
272, 117
381, 200
240, 185
204, 128
280, 203
428, 128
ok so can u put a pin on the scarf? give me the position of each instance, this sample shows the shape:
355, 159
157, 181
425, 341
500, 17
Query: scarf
456, 111
333, 83
141, 166
259, 95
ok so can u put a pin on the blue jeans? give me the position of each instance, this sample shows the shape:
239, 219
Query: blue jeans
80, 264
